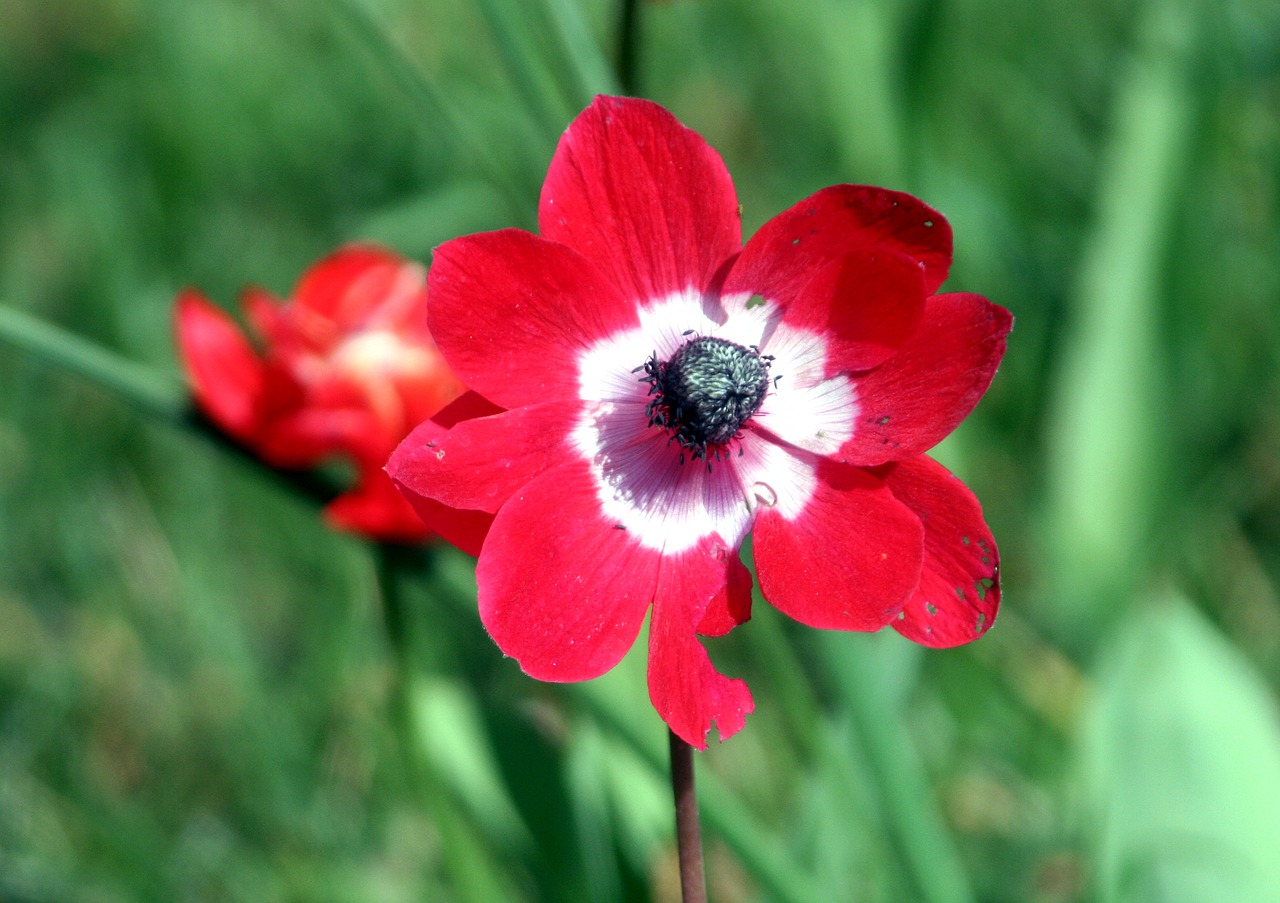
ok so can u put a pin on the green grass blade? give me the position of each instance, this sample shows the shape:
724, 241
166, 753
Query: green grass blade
435, 106
522, 55
586, 68
165, 400
910, 813
1105, 442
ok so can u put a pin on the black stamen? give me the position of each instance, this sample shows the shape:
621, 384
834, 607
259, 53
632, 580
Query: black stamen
705, 393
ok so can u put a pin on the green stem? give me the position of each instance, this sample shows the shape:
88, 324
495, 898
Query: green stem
693, 879
159, 398
781, 877
629, 47
392, 562
468, 854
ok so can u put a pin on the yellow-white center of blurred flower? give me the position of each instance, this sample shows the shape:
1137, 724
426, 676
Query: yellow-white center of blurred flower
379, 355
376, 360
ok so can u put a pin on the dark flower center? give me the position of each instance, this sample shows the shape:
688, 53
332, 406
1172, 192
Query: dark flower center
704, 394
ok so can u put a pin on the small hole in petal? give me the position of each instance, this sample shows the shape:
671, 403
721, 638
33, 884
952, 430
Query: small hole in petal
764, 494
982, 619
756, 300
931, 608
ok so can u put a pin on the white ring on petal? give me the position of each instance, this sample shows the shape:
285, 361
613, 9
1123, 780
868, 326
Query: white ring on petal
642, 485
802, 407
774, 476
605, 371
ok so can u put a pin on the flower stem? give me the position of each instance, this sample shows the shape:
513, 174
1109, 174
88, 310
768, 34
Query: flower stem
628, 47
693, 880
134, 383
159, 398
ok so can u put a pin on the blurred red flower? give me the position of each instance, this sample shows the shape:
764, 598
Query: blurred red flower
345, 368
665, 391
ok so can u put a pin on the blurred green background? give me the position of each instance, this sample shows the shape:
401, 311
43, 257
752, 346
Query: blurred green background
198, 697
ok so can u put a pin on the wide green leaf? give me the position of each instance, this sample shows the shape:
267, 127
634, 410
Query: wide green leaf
1181, 758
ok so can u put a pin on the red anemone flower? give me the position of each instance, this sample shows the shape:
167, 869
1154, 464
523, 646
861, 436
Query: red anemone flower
347, 368
663, 391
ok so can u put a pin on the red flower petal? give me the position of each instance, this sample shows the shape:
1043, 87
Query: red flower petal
226, 374
684, 687
467, 406
644, 198
731, 606
265, 313
512, 313
913, 400
478, 464
959, 591
866, 306
464, 529
848, 560
560, 589
779, 259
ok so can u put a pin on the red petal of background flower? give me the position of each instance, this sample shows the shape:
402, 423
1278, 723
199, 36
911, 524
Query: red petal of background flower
824, 227
684, 687
959, 591
226, 374
644, 198
848, 560
345, 287
912, 401
304, 437
478, 464
264, 312
512, 312
560, 589
374, 508
866, 306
